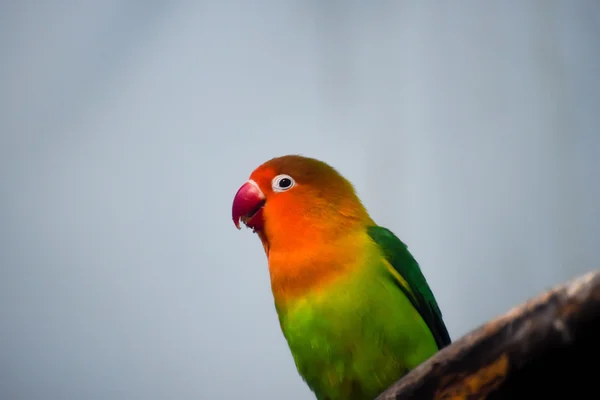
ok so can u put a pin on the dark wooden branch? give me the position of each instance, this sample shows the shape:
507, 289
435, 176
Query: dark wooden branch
547, 347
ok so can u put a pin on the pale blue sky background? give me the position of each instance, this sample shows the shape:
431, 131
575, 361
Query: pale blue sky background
471, 130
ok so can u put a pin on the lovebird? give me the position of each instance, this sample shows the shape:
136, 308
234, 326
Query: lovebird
353, 305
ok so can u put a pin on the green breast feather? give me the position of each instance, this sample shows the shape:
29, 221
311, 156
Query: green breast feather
420, 295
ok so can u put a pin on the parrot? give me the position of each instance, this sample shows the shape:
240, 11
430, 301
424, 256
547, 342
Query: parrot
352, 302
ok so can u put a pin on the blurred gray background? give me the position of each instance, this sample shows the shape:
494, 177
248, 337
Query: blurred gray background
470, 129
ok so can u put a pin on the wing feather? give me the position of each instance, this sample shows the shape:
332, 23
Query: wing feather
410, 279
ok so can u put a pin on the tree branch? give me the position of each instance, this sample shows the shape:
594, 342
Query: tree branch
547, 347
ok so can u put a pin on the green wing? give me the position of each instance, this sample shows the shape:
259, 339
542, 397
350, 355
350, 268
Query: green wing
418, 291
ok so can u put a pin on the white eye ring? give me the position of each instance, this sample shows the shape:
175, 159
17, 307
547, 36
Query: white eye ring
282, 182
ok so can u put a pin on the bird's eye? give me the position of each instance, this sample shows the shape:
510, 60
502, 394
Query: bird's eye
282, 183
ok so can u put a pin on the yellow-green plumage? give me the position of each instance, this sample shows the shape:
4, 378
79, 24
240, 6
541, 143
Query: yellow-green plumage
352, 302
359, 335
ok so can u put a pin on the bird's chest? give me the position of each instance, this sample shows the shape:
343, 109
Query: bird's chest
336, 343
324, 330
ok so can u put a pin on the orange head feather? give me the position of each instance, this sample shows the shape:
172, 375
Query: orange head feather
299, 207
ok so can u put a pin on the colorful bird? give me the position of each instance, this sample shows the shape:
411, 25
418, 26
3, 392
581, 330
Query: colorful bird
352, 302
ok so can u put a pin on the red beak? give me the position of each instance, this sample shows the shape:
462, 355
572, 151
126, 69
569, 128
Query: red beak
247, 206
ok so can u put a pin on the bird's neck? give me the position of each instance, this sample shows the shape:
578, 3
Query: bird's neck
297, 272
